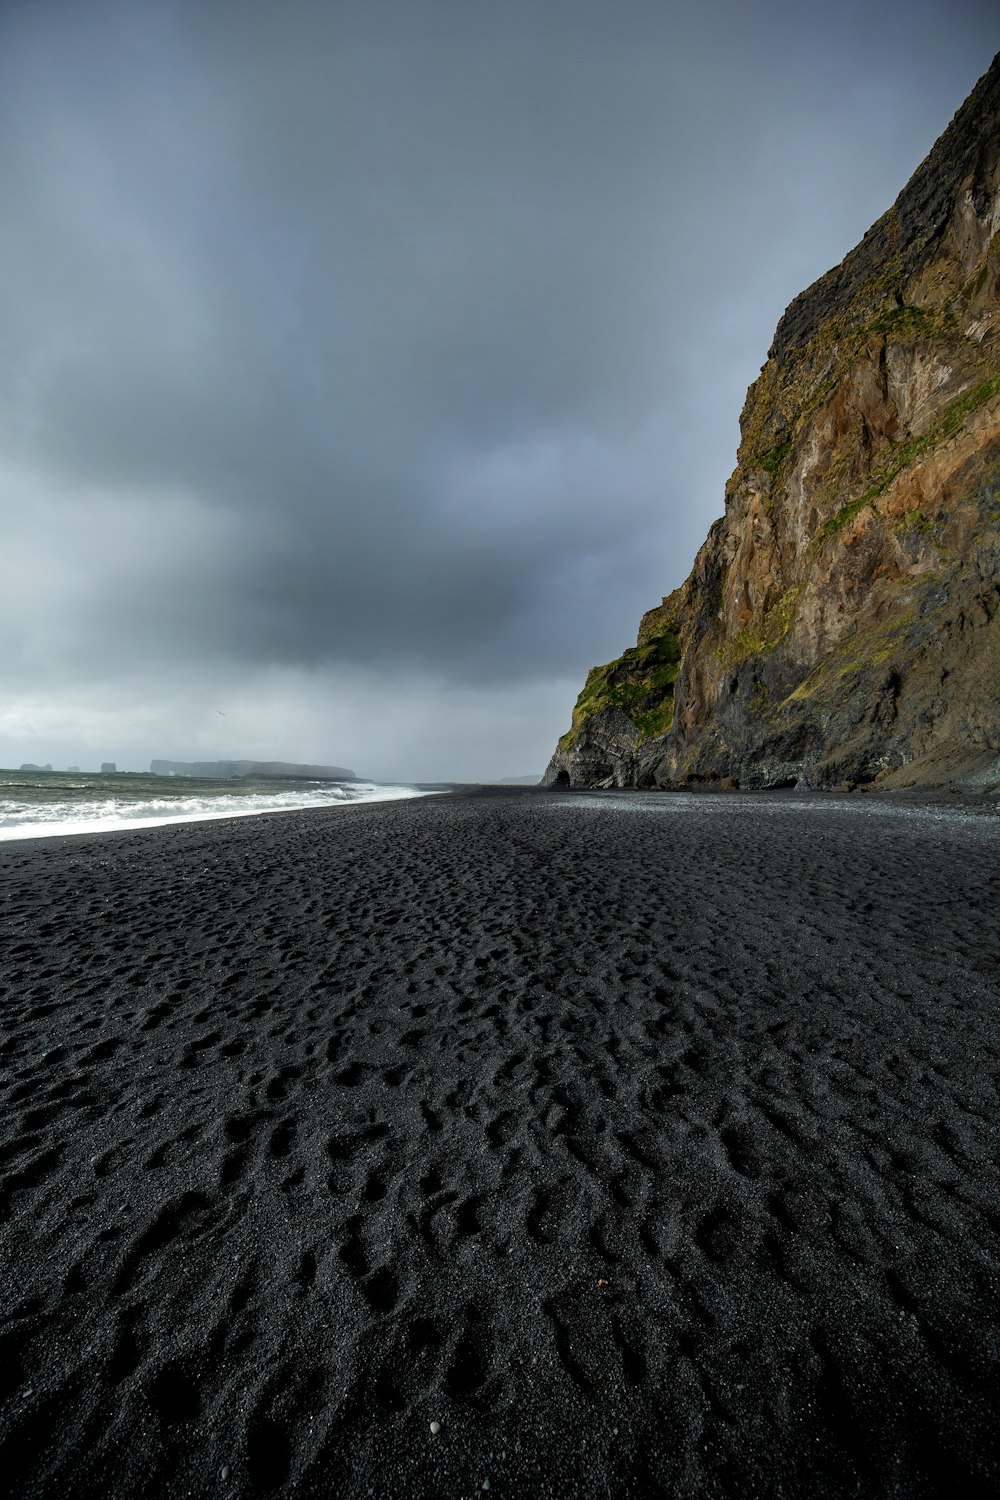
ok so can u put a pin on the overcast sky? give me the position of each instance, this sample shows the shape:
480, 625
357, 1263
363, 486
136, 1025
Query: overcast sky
369, 368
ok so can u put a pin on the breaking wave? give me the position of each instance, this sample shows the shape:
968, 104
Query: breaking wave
51, 805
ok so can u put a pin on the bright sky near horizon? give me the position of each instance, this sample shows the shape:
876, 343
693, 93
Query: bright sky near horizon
369, 366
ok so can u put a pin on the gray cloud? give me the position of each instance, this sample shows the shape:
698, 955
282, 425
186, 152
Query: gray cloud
402, 340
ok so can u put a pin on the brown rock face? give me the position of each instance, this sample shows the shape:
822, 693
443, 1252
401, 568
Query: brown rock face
842, 621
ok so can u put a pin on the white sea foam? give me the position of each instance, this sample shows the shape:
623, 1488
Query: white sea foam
21, 819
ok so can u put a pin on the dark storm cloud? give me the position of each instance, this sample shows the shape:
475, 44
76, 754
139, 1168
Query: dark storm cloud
411, 336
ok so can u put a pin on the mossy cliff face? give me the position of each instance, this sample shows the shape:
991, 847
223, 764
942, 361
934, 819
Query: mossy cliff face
842, 620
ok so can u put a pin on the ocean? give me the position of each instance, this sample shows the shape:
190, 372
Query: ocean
39, 804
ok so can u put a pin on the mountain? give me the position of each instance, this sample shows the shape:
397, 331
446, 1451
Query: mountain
222, 770
842, 619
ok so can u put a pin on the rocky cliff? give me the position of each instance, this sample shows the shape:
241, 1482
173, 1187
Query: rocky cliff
842, 620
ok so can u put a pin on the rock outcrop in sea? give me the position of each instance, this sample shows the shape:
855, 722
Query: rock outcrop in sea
841, 622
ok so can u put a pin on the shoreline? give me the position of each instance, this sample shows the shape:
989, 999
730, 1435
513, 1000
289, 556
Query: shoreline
647, 1153
67, 828
929, 800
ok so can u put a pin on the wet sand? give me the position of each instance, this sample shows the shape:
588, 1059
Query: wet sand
648, 1145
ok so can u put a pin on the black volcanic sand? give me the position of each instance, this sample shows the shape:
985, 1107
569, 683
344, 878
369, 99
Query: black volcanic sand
648, 1144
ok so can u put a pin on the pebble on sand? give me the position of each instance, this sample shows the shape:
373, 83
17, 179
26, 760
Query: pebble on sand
435, 1428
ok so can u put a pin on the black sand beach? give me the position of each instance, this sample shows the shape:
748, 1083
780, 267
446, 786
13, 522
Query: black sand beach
646, 1144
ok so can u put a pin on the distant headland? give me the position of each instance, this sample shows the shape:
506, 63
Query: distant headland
220, 770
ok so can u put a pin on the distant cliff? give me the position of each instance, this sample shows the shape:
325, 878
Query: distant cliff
842, 620
221, 770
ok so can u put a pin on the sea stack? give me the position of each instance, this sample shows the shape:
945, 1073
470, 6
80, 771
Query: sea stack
841, 623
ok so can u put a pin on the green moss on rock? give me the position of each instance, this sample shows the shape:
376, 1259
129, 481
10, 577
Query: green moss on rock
772, 460
871, 647
906, 453
769, 631
915, 322
639, 683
